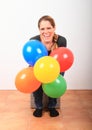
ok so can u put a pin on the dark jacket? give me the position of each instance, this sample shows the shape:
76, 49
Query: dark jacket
61, 41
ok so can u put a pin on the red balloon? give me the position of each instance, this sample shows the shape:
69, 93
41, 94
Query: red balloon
26, 82
64, 56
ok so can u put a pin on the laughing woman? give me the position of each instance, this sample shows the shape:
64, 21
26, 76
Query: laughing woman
51, 40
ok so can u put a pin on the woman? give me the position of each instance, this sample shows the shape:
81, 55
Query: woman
47, 36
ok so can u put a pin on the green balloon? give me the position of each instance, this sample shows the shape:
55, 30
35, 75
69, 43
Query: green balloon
56, 88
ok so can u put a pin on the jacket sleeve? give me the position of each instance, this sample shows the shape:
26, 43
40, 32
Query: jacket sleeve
62, 42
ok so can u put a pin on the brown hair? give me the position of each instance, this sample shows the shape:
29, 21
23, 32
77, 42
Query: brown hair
52, 22
46, 18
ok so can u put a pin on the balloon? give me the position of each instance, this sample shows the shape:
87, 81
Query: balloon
46, 69
64, 56
33, 50
26, 82
56, 88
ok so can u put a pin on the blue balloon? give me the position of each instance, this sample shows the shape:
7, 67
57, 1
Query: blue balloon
33, 50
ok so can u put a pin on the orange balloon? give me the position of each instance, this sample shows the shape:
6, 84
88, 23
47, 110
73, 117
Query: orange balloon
26, 82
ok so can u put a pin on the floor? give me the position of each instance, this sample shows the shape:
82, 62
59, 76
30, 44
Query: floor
75, 112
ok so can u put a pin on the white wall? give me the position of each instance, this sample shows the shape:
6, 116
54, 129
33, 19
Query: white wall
18, 22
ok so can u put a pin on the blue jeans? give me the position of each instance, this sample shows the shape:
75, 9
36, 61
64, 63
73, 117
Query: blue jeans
38, 98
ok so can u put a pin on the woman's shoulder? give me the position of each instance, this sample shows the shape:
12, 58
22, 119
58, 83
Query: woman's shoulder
62, 38
61, 41
37, 37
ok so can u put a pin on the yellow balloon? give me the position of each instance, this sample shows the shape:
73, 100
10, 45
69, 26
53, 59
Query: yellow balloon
46, 69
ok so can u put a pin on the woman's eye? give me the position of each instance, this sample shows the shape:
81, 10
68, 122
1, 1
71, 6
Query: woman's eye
42, 29
48, 28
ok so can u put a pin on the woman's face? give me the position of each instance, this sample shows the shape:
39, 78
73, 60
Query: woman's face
46, 31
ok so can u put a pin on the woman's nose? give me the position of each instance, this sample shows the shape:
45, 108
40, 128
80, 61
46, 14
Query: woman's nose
45, 31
